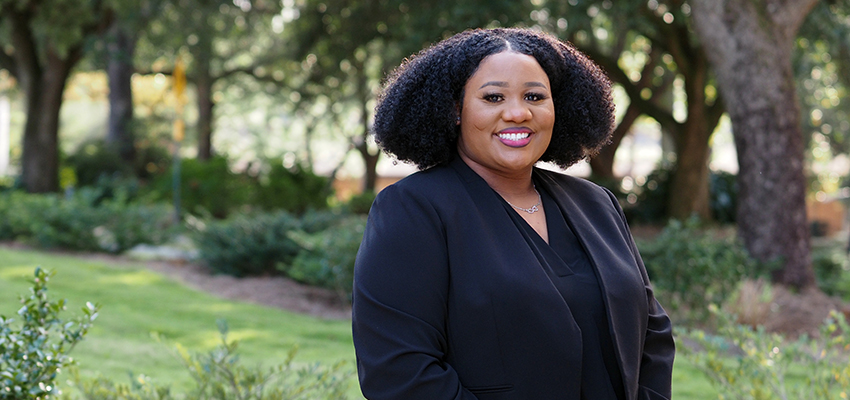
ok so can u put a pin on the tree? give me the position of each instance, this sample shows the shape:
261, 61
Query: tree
219, 39
120, 42
750, 44
657, 34
40, 45
346, 47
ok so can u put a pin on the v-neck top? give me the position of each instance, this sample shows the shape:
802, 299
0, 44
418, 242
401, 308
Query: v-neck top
576, 279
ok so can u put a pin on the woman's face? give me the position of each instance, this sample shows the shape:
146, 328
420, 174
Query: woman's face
507, 116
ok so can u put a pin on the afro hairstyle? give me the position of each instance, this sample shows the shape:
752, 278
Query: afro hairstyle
416, 113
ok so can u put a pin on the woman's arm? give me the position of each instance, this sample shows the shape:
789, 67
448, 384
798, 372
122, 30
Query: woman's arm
659, 350
399, 304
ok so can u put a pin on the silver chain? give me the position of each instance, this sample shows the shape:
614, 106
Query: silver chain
531, 210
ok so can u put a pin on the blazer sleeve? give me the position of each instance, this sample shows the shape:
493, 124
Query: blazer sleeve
399, 302
659, 349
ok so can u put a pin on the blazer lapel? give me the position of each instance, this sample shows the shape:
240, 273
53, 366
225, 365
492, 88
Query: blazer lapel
616, 271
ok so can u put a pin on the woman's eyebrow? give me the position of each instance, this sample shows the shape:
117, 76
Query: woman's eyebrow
494, 83
505, 84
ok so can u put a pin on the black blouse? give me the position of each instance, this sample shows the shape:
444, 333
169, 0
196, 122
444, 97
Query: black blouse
575, 278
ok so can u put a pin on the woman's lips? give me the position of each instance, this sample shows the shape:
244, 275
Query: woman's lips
515, 137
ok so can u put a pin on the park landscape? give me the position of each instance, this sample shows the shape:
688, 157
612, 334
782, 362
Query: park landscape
182, 169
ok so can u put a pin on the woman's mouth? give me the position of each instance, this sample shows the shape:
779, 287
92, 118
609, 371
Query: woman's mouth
515, 137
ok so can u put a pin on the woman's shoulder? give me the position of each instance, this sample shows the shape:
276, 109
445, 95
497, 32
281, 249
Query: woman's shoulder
571, 183
431, 185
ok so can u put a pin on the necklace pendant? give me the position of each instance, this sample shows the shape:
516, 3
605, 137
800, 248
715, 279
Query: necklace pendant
532, 210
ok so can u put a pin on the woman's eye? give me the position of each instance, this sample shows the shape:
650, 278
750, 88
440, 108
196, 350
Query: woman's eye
493, 98
534, 97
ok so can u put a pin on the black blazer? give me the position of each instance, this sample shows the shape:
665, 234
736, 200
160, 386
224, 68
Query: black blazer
450, 303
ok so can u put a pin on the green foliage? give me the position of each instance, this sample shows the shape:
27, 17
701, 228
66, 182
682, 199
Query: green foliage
295, 189
832, 271
248, 244
212, 188
751, 364
723, 196
219, 374
693, 268
361, 203
33, 351
328, 256
205, 187
77, 222
651, 196
94, 160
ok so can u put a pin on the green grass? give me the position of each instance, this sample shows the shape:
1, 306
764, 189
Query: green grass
137, 302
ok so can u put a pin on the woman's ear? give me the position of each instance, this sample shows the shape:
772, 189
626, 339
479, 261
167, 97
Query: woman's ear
457, 112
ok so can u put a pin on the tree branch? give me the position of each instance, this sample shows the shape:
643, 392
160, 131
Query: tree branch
633, 90
8, 63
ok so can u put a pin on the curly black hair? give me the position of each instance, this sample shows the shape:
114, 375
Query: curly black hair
415, 119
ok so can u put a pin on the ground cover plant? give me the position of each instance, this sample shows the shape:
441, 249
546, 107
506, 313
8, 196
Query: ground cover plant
137, 303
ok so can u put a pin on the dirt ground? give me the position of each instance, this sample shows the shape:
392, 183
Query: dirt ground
788, 312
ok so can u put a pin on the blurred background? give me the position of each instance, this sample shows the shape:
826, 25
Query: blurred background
235, 135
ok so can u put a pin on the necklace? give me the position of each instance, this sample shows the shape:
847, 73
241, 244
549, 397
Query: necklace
531, 210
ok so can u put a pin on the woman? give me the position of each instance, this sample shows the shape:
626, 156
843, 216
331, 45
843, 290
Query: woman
482, 276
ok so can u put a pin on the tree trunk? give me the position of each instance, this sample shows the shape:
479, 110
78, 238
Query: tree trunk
40, 161
204, 85
602, 165
750, 45
43, 86
120, 47
689, 186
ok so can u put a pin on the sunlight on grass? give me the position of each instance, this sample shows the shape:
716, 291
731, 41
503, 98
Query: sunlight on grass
134, 278
18, 272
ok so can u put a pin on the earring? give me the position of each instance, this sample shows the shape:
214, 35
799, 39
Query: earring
458, 119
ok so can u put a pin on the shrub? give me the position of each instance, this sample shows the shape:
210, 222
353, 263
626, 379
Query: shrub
832, 271
248, 244
76, 223
33, 351
693, 268
206, 187
328, 256
652, 195
295, 189
94, 159
219, 375
746, 363
361, 203
723, 196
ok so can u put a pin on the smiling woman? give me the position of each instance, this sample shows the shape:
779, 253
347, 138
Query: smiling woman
482, 276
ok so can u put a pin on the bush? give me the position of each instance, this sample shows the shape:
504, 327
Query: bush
295, 189
219, 375
652, 195
832, 271
328, 256
248, 244
76, 223
361, 203
747, 363
206, 187
723, 196
693, 269
93, 160
33, 351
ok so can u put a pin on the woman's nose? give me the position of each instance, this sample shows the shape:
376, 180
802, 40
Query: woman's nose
516, 112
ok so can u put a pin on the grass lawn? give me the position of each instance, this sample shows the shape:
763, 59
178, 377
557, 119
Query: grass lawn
136, 302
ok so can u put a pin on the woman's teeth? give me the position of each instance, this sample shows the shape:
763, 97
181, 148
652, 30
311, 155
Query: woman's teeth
513, 136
